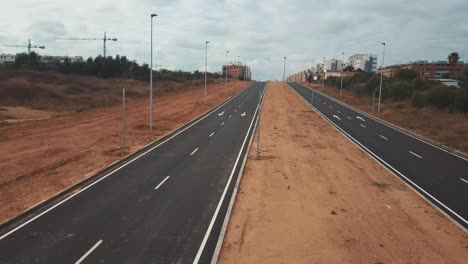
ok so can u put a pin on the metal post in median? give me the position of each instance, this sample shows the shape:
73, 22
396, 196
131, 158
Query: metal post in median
124, 120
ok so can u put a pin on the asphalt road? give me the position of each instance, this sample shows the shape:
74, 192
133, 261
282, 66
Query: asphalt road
438, 175
166, 205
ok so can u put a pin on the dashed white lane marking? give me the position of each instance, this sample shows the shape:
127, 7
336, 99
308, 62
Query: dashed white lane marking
360, 118
363, 125
339, 111
331, 107
415, 154
235, 110
211, 134
383, 137
464, 180
159, 185
324, 103
193, 152
349, 118
222, 113
89, 252
337, 117
230, 116
243, 114
222, 124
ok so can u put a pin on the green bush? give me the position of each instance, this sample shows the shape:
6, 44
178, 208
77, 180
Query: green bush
407, 75
398, 90
420, 99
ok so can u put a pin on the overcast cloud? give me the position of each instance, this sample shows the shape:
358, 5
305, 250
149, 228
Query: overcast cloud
260, 32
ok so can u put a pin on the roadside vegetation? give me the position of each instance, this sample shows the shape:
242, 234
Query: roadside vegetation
406, 86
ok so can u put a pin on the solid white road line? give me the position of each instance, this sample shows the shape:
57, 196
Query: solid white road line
464, 180
193, 152
159, 185
212, 134
415, 154
213, 219
383, 137
89, 252
363, 125
222, 124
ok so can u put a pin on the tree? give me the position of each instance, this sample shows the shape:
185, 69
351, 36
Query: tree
405, 74
453, 57
348, 68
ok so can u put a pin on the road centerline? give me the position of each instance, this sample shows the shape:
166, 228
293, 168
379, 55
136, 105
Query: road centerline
212, 133
193, 152
89, 251
161, 183
415, 154
464, 180
383, 137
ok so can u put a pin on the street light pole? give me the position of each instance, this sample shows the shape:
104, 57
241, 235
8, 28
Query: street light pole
206, 63
237, 73
381, 77
225, 82
323, 69
284, 69
151, 75
341, 75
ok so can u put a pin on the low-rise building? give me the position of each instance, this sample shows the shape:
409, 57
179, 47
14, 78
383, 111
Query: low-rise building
60, 59
237, 71
7, 58
427, 70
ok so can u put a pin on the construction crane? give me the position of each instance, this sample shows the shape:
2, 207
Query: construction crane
105, 39
29, 46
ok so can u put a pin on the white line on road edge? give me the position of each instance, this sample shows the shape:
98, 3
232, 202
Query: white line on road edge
222, 124
363, 125
207, 234
89, 252
201, 117
411, 184
212, 134
159, 185
415, 154
464, 180
383, 137
193, 152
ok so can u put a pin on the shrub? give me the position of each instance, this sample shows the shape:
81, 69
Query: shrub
420, 99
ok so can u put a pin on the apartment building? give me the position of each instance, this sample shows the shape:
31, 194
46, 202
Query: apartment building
365, 62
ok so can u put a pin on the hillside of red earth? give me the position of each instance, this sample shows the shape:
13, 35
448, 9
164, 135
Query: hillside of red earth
430, 122
47, 146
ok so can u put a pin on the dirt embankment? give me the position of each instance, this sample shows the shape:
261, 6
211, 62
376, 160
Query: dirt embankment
314, 197
429, 122
42, 157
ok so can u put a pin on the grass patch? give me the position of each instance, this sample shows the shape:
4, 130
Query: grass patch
382, 186
3, 137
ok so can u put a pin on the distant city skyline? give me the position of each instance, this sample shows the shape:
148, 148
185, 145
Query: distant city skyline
261, 33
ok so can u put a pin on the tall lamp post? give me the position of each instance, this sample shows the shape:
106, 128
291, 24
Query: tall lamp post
206, 64
237, 72
381, 77
284, 69
225, 81
323, 70
341, 75
151, 75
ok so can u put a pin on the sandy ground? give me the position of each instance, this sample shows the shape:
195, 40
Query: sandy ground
41, 158
314, 197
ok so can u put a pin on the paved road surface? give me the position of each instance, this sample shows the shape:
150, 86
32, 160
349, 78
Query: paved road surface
438, 175
165, 206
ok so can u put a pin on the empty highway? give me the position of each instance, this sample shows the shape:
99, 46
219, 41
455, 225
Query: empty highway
438, 175
165, 205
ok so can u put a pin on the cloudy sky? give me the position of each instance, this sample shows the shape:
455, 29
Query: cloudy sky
260, 32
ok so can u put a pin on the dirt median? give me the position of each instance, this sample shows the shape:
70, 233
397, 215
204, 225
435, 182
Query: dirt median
41, 158
314, 197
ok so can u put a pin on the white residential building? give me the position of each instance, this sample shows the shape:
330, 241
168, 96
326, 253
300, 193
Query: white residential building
365, 62
334, 65
7, 58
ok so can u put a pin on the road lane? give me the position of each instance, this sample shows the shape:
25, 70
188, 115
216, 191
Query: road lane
433, 172
136, 222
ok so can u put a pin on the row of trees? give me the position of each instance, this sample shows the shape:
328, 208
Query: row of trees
407, 86
108, 67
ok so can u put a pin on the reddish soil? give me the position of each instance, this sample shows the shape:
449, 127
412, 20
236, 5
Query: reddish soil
314, 197
43, 157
